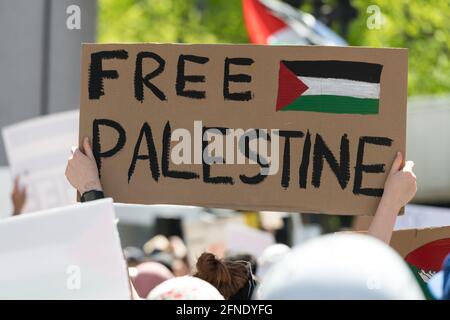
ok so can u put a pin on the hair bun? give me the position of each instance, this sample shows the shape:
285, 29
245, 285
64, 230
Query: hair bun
211, 268
227, 276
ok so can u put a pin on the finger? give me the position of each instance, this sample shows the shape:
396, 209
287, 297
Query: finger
87, 148
397, 164
17, 187
409, 165
16, 182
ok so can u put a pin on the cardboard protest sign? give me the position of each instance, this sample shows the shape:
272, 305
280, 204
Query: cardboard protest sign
70, 252
37, 151
424, 249
282, 128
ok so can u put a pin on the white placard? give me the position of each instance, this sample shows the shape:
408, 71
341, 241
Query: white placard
71, 252
37, 152
420, 216
243, 239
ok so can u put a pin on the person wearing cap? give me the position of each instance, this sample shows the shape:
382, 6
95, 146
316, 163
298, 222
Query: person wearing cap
185, 288
148, 276
340, 267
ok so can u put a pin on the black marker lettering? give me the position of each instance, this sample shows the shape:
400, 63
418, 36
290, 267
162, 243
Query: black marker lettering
360, 168
182, 78
303, 170
207, 168
322, 152
96, 146
166, 159
97, 74
286, 173
139, 80
151, 156
236, 96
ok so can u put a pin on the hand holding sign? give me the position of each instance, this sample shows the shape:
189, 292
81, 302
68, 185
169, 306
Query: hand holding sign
400, 185
82, 171
18, 197
399, 189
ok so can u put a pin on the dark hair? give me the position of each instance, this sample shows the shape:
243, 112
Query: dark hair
243, 256
227, 276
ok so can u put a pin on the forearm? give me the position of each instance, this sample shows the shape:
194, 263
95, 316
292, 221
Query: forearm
383, 223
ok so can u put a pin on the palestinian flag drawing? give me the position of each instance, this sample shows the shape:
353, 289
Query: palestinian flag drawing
329, 86
427, 260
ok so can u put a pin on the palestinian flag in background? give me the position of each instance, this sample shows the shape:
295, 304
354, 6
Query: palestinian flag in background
276, 22
427, 260
329, 86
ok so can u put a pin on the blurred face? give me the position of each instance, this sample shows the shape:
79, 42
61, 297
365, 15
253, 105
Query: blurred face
180, 268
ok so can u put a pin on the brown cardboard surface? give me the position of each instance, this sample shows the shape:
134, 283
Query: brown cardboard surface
118, 103
406, 241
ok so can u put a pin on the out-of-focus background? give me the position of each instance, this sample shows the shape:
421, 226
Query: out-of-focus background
40, 75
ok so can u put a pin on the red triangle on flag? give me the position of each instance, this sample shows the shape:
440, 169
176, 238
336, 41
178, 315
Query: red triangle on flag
289, 87
430, 256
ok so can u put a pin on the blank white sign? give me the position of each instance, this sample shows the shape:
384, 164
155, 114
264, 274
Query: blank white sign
37, 151
70, 252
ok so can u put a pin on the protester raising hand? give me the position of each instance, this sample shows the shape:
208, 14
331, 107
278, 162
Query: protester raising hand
81, 170
18, 197
399, 188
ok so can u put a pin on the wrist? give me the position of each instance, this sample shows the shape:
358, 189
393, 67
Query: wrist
92, 195
389, 205
90, 186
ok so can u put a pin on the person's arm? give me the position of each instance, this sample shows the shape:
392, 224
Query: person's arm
18, 197
399, 189
82, 172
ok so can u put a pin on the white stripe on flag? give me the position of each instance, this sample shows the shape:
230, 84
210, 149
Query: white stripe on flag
286, 36
341, 87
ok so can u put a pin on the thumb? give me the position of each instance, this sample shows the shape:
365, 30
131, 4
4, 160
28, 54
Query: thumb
397, 164
16, 183
87, 148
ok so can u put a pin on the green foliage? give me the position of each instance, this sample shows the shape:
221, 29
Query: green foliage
422, 26
189, 21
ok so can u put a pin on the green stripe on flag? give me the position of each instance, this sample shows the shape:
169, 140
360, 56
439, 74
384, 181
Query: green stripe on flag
334, 104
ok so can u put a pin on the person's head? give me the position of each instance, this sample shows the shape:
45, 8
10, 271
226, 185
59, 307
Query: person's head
163, 258
233, 279
185, 288
149, 275
157, 244
242, 256
270, 256
134, 256
344, 266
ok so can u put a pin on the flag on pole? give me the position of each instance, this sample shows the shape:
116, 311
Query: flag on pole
275, 22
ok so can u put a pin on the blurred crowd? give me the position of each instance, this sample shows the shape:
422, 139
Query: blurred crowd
334, 266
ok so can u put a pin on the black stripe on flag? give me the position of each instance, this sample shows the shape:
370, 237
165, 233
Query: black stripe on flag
350, 70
